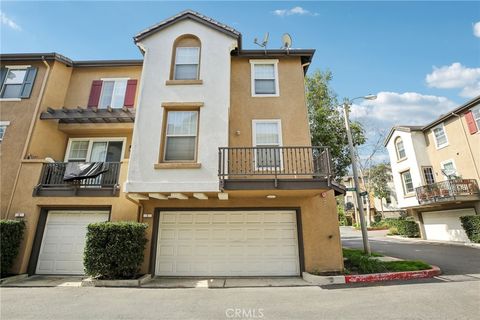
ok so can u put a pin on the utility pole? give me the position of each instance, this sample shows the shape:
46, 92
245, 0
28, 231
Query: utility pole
366, 245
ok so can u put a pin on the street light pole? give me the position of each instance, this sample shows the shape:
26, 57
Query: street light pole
346, 106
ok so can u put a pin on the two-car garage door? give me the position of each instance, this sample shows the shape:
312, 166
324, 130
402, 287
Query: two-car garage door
445, 225
61, 251
227, 243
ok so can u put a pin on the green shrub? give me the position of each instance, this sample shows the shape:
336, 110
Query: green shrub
11, 235
408, 228
393, 231
114, 250
471, 225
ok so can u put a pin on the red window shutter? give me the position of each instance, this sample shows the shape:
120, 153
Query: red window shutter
130, 93
472, 126
95, 93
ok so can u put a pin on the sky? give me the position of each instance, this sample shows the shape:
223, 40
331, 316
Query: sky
421, 59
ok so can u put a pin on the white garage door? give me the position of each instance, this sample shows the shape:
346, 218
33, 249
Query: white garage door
227, 243
446, 225
63, 241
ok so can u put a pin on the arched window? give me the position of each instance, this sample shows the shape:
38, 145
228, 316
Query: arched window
186, 58
400, 149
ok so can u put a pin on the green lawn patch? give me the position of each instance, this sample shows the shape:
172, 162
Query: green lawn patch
357, 262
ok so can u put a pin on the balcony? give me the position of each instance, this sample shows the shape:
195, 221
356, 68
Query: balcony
262, 168
52, 182
449, 190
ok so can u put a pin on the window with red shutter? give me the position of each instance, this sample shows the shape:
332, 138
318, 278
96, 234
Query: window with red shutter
472, 126
95, 92
130, 93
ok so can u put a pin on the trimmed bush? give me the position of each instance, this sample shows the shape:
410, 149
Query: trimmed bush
11, 235
114, 250
403, 226
471, 225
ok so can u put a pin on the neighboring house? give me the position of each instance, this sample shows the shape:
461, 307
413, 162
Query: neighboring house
221, 167
78, 112
436, 170
386, 207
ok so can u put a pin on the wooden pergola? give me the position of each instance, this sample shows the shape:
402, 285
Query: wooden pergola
89, 115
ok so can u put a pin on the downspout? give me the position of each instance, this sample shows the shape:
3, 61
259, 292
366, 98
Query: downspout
29, 135
468, 143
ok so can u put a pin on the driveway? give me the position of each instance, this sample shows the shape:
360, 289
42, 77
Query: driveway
410, 300
452, 259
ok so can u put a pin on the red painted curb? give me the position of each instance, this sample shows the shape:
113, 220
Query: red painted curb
406, 275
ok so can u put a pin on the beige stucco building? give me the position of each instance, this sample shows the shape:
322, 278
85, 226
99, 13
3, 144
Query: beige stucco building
436, 170
206, 142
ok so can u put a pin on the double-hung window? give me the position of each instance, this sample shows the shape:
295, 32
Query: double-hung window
181, 136
3, 128
16, 82
440, 136
264, 75
267, 135
113, 93
401, 154
187, 61
476, 116
407, 182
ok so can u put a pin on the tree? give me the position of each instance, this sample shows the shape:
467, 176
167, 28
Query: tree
327, 124
380, 177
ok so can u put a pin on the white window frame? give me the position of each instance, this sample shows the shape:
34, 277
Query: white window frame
442, 165
198, 63
254, 62
4, 124
90, 145
404, 185
442, 126
396, 141
476, 120
19, 67
194, 160
254, 140
114, 85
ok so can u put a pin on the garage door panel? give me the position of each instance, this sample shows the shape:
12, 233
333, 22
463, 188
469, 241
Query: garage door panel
232, 243
61, 250
446, 225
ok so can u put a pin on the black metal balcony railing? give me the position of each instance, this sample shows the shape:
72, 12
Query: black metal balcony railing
447, 190
274, 162
52, 183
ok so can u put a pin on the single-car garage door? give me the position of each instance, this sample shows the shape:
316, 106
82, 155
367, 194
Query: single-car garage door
445, 225
227, 243
61, 251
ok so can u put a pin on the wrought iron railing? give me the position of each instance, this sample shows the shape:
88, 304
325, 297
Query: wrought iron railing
53, 173
274, 162
447, 190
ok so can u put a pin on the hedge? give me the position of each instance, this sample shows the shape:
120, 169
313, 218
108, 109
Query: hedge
405, 227
471, 225
11, 235
114, 250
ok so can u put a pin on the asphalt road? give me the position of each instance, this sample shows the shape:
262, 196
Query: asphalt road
452, 259
411, 300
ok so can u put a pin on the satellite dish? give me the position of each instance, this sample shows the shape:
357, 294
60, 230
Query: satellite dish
449, 173
264, 42
286, 41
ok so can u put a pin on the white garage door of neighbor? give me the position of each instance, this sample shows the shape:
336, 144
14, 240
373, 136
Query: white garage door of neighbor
446, 225
227, 243
63, 241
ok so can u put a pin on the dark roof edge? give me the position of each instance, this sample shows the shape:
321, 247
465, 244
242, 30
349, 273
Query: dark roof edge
52, 56
188, 14
463, 107
305, 54
401, 128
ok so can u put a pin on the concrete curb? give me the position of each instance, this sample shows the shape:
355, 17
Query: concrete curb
16, 278
460, 244
373, 277
322, 280
389, 276
91, 282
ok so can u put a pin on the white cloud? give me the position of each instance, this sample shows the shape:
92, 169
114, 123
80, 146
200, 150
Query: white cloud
293, 11
409, 108
456, 76
6, 21
476, 29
